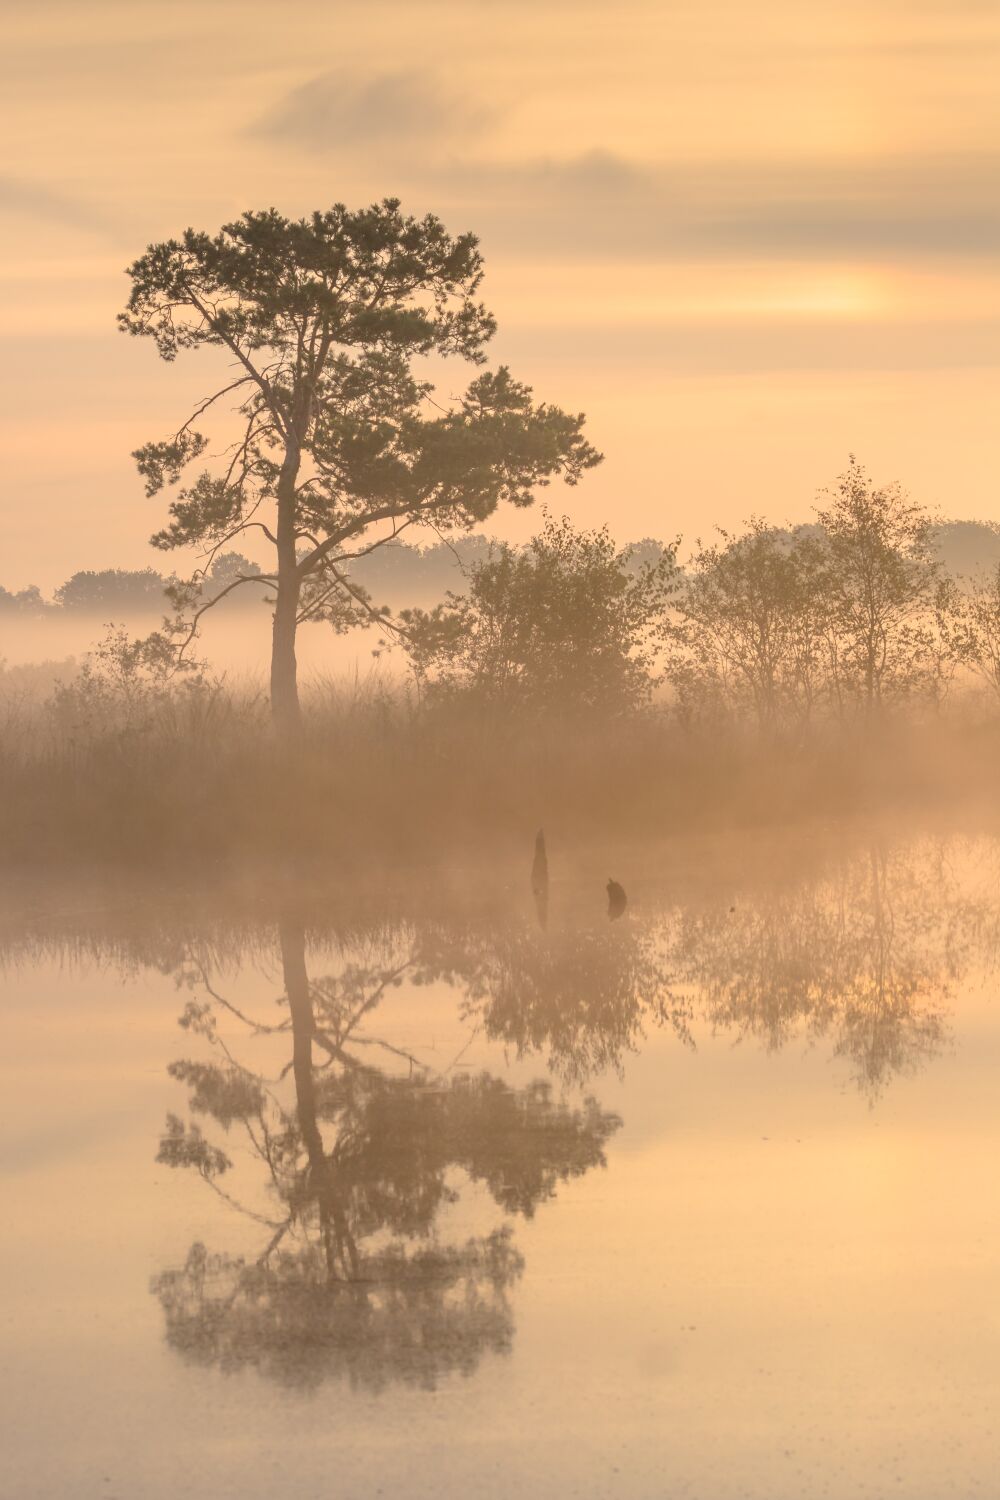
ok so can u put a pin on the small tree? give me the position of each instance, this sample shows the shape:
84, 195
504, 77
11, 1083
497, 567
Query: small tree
323, 319
123, 682
884, 592
976, 629
565, 624
744, 637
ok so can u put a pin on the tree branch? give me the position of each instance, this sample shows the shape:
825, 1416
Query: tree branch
268, 579
253, 373
210, 401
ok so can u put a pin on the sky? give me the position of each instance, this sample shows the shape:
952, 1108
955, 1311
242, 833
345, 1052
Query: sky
745, 240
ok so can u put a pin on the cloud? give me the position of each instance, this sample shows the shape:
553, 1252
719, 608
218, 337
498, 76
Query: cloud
33, 201
599, 205
733, 349
338, 109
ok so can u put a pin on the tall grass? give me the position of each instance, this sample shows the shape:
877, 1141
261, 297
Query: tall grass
158, 773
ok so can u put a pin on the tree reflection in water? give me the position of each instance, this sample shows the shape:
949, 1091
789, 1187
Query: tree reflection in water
355, 1281
864, 954
360, 1274
584, 997
866, 957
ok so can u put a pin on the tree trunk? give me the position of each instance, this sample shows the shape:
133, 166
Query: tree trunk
285, 709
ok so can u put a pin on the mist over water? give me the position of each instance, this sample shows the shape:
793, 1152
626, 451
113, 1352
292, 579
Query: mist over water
419, 1184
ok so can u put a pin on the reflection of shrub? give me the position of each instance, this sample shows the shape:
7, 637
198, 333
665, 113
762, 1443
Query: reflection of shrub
412, 1318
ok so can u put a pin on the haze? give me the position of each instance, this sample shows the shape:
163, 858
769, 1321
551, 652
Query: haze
532, 1032
745, 240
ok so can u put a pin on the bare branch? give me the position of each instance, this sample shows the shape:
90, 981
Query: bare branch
210, 401
342, 581
268, 579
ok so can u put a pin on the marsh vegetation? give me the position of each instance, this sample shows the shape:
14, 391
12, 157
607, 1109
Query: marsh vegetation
831, 668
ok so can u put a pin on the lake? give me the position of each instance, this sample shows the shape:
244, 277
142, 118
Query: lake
439, 1185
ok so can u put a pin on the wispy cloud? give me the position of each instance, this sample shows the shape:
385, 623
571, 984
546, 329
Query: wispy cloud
910, 206
338, 109
32, 200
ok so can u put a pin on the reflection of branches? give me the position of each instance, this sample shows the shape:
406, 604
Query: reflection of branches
343, 1005
354, 1282
581, 996
866, 957
197, 974
184, 1146
412, 1320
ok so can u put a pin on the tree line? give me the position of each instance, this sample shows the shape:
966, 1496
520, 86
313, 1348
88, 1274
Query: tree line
841, 620
401, 573
127, 591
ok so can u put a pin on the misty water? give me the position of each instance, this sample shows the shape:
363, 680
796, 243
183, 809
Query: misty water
439, 1186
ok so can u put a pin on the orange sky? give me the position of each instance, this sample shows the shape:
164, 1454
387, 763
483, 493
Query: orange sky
744, 239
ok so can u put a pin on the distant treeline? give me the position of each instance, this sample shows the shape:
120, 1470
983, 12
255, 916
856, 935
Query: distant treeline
398, 574
125, 591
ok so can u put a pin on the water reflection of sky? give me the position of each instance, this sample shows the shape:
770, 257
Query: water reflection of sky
696, 1198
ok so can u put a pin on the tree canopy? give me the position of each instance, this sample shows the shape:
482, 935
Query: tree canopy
133, 590
841, 620
568, 622
323, 321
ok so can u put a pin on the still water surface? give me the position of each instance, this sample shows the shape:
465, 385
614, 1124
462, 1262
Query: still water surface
486, 1196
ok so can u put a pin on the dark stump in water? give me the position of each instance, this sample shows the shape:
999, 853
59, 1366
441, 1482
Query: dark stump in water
540, 879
